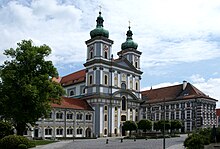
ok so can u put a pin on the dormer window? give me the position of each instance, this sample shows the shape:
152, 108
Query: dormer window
72, 93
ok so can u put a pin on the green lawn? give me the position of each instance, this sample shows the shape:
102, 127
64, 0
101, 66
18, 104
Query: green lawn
42, 142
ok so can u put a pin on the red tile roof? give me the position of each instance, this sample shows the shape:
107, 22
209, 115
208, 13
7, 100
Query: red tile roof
74, 78
171, 93
72, 103
218, 112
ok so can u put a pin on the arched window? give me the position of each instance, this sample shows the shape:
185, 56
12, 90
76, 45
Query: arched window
59, 115
131, 84
105, 131
123, 86
116, 81
90, 79
59, 131
91, 54
106, 54
48, 131
72, 93
69, 131
123, 103
136, 64
106, 117
79, 131
123, 118
106, 108
115, 131
136, 85
106, 80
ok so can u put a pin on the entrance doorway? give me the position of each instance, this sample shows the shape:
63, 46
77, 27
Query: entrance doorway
36, 131
88, 132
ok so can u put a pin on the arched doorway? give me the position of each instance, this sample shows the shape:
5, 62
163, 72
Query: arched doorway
88, 132
36, 132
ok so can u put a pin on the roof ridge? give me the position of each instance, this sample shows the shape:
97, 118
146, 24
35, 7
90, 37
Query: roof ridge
162, 87
74, 72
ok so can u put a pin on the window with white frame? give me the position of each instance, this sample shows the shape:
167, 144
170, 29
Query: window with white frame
48, 131
69, 131
69, 116
59, 131
79, 116
106, 79
88, 117
90, 79
59, 115
79, 131
136, 85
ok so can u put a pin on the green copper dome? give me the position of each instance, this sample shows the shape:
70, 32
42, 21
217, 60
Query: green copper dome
129, 43
99, 30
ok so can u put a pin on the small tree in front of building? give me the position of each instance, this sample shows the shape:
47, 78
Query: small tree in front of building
144, 125
175, 125
159, 125
130, 126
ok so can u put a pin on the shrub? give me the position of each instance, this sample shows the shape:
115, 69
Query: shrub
5, 129
195, 141
22, 146
13, 141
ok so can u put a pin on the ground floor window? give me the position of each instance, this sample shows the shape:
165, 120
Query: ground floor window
69, 131
59, 131
79, 131
48, 131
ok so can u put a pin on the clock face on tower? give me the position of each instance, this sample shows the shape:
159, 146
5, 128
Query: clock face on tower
105, 48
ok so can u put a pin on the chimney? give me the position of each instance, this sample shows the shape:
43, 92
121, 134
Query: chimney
184, 85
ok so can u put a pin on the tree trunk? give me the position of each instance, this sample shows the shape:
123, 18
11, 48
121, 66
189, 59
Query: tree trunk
130, 133
20, 127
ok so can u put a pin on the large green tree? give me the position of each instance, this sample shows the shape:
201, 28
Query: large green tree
130, 125
26, 86
144, 125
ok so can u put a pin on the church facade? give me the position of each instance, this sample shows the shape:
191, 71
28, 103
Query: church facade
111, 86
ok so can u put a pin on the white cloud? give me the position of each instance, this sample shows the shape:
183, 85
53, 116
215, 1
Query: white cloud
210, 86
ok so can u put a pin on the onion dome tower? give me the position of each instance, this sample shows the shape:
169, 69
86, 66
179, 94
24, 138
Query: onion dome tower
129, 50
129, 43
99, 30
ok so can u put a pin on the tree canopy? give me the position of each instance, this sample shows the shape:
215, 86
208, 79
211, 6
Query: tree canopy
130, 125
144, 125
26, 86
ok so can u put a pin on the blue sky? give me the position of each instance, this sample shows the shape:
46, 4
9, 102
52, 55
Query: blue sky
179, 39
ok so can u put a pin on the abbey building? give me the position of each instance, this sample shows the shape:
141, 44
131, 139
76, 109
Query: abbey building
106, 93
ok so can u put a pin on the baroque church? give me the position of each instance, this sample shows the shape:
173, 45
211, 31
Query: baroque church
106, 93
